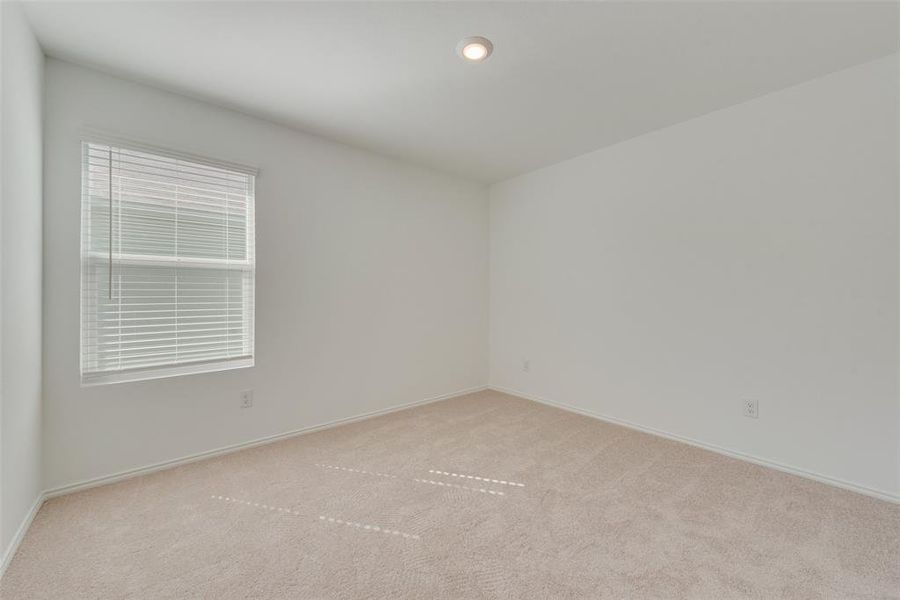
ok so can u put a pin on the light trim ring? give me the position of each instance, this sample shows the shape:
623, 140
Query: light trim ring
475, 49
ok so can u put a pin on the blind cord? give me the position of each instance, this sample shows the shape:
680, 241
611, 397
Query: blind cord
110, 225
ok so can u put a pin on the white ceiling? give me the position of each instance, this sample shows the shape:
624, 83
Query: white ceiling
565, 78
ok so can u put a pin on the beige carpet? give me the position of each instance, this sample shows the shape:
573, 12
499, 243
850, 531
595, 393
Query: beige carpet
579, 509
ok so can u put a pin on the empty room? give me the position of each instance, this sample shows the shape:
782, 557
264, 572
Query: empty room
449, 300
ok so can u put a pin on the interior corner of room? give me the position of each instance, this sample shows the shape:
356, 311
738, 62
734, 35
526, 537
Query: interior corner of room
678, 285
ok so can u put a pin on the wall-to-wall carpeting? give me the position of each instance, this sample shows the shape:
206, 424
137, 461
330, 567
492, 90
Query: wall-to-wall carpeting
480, 496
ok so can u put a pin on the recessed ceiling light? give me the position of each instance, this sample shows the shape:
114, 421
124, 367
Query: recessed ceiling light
475, 49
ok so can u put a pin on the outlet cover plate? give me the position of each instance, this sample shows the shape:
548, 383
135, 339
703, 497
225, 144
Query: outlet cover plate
751, 409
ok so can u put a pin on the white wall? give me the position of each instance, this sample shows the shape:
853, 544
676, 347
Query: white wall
372, 277
748, 253
752, 252
20, 272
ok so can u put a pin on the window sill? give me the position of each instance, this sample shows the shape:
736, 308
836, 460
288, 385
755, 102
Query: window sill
164, 372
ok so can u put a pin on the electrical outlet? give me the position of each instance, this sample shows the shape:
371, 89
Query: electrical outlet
526, 365
247, 399
751, 409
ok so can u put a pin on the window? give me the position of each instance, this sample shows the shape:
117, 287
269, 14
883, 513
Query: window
168, 267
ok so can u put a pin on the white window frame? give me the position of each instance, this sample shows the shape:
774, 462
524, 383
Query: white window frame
249, 317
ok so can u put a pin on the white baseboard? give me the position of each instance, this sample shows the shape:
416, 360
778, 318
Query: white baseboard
107, 479
853, 487
98, 481
10, 550
169, 464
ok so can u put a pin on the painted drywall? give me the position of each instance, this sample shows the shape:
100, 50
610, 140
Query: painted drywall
751, 253
371, 283
20, 272
558, 65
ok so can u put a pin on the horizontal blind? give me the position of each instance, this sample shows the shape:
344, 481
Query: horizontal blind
168, 262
